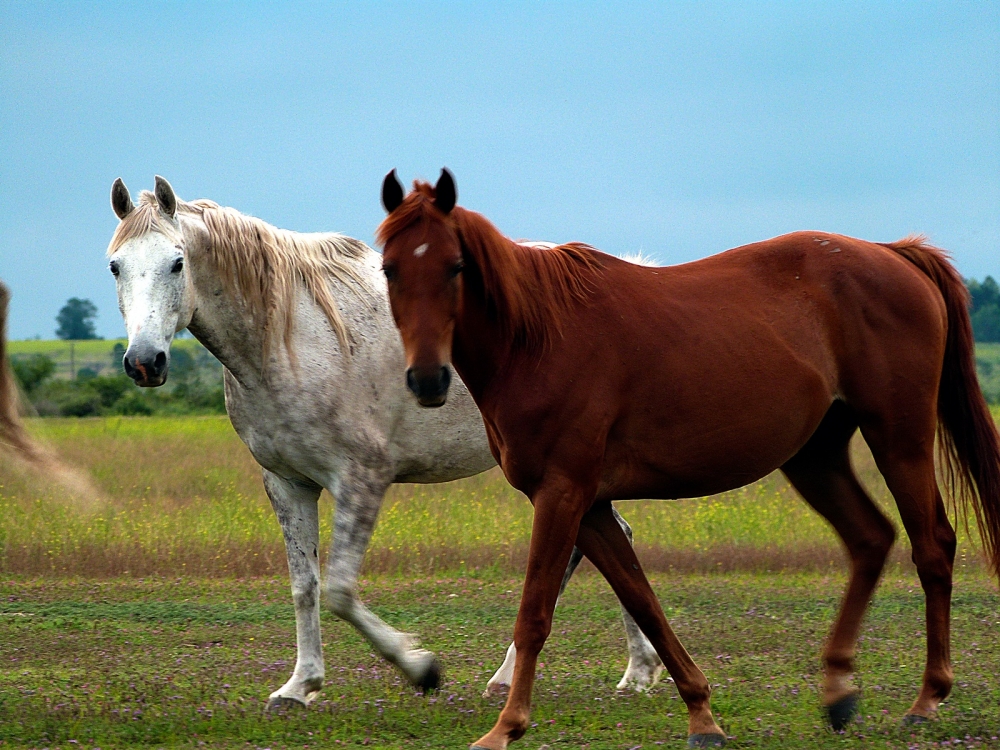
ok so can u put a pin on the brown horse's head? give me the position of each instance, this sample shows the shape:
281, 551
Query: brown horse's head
422, 261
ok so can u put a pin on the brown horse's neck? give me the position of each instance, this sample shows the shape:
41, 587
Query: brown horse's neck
480, 345
529, 291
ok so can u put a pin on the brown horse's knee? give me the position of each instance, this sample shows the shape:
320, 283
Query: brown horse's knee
935, 564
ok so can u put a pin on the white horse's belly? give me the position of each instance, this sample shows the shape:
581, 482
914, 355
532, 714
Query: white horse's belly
439, 445
424, 446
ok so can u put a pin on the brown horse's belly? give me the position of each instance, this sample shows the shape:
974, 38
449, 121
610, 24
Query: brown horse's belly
721, 448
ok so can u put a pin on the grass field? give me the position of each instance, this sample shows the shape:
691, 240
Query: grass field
186, 662
163, 617
183, 494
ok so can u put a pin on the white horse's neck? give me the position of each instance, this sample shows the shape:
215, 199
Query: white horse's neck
221, 322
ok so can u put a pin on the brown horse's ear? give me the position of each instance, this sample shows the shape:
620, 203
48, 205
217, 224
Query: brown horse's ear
445, 193
165, 197
121, 201
392, 192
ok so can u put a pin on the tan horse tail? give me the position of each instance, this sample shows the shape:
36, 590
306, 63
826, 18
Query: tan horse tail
967, 435
13, 436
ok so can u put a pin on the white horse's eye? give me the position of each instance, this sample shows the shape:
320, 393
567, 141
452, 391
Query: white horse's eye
113, 265
177, 267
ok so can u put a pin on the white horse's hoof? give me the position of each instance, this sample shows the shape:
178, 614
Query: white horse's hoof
641, 677
294, 694
421, 668
494, 688
432, 677
282, 702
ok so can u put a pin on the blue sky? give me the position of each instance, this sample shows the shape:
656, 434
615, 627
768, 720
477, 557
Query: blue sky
680, 129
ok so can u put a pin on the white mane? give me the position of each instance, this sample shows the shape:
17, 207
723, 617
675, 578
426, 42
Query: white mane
261, 264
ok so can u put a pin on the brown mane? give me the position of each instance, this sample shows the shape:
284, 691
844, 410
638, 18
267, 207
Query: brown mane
532, 288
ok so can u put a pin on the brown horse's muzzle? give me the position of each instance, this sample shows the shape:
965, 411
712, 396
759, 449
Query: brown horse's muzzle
429, 384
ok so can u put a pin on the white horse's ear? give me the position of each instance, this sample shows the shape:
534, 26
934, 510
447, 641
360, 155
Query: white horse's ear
165, 197
121, 201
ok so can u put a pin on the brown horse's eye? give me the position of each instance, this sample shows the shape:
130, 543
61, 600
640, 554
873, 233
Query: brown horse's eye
456, 270
390, 273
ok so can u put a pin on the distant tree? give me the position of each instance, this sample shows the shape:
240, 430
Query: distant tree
986, 324
985, 309
76, 319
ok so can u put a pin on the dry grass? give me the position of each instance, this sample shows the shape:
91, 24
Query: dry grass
183, 497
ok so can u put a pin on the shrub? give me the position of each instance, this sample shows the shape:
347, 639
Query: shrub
32, 371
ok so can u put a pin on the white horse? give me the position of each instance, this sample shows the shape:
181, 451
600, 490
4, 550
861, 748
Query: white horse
311, 359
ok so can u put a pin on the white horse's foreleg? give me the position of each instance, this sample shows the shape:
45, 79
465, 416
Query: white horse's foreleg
358, 501
295, 504
644, 666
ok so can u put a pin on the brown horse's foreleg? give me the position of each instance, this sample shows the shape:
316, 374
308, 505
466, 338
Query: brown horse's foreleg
558, 508
822, 474
602, 540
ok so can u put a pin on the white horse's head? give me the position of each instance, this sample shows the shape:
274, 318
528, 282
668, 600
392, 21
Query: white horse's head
155, 294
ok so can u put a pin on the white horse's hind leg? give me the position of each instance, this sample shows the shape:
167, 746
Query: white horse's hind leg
644, 666
296, 506
358, 501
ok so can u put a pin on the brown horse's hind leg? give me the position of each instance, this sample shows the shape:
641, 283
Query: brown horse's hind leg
906, 460
602, 540
822, 473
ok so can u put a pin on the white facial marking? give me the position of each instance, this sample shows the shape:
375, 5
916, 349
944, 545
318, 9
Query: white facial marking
419, 250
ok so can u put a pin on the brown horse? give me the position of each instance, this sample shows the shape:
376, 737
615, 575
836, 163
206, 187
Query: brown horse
601, 380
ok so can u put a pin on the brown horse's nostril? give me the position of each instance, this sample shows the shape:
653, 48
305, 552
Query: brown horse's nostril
428, 385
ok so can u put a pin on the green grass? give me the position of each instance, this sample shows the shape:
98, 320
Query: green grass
184, 494
190, 662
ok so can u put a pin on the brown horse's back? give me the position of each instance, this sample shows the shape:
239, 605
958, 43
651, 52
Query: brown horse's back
762, 338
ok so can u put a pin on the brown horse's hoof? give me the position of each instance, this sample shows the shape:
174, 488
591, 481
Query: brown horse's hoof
706, 740
280, 703
839, 714
431, 679
913, 720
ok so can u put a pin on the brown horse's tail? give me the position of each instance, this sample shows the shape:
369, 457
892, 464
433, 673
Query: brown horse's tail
967, 436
